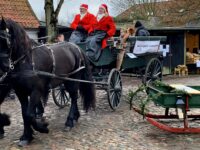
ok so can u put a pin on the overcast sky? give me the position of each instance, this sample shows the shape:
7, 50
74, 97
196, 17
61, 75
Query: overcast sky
69, 8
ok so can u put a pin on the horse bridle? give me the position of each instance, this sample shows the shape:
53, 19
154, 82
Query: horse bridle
4, 34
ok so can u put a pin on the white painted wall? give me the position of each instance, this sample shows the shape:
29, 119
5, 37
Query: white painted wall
33, 34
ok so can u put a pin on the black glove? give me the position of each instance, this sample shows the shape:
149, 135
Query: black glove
106, 35
80, 28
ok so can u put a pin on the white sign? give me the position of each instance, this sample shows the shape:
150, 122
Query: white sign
164, 50
142, 47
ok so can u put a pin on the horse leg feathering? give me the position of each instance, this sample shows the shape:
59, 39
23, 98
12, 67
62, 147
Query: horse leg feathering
35, 100
4, 121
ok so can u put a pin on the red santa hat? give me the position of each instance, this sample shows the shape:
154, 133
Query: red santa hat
85, 6
105, 7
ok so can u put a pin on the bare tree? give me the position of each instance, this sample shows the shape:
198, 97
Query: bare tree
183, 11
51, 16
137, 9
171, 12
121, 5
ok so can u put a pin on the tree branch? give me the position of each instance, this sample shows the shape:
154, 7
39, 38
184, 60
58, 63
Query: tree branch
58, 8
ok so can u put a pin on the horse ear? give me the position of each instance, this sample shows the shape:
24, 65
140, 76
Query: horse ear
3, 24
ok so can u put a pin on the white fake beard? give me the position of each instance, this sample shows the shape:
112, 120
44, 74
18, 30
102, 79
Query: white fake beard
100, 16
82, 15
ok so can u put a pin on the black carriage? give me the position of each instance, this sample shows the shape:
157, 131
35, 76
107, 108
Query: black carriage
148, 66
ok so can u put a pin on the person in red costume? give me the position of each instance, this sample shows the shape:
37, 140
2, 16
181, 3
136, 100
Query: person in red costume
81, 25
103, 29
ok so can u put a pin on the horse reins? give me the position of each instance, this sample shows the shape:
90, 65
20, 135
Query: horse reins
4, 34
13, 63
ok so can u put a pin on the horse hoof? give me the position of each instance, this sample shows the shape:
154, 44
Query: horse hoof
67, 129
23, 143
75, 122
1, 136
41, 127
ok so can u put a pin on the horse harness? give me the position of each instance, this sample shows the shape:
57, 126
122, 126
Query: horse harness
52, 56
4, 34
81, 62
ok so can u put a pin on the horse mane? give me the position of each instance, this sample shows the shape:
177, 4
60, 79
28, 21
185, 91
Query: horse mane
20, 41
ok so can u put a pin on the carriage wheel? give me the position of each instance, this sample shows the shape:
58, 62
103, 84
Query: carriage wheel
114, 89
153, 71
60, 96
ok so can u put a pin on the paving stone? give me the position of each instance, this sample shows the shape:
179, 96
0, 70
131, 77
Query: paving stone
102, 129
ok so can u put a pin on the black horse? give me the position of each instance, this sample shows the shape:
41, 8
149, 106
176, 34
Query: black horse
21, 58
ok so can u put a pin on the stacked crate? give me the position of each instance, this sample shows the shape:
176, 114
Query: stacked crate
192, 58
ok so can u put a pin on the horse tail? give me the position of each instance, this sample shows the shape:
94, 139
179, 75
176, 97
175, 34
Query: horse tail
87, 90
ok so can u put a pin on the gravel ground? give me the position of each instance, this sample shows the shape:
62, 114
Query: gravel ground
102, 129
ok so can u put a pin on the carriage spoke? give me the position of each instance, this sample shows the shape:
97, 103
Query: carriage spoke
58, 93
118, 96
148, 77
112, 84
111, 89
148, 81
118, 81
157, 70
114, 102
111, 96
64, 97
67, 98
158, 73
61, 98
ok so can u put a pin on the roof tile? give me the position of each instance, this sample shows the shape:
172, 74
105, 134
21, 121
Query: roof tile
19, 11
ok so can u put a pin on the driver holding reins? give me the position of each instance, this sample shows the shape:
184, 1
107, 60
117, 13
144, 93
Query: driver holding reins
81, 25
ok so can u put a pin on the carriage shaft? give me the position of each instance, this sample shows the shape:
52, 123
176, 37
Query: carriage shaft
47, 74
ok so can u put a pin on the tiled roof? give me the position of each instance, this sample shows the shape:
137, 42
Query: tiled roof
19, 11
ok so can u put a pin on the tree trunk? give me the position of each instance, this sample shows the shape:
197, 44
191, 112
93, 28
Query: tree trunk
51, 18
48, 12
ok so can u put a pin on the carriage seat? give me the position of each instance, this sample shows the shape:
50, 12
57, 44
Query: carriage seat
187, 89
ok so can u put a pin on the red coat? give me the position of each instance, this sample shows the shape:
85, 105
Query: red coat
87, 21
106, 24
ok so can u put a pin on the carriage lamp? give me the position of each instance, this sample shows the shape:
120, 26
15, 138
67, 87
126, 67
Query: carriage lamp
179, 102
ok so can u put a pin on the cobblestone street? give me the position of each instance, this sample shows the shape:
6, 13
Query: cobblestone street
102, 129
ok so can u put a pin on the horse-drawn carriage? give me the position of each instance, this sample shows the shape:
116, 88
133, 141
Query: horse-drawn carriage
147, 65
32, 69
